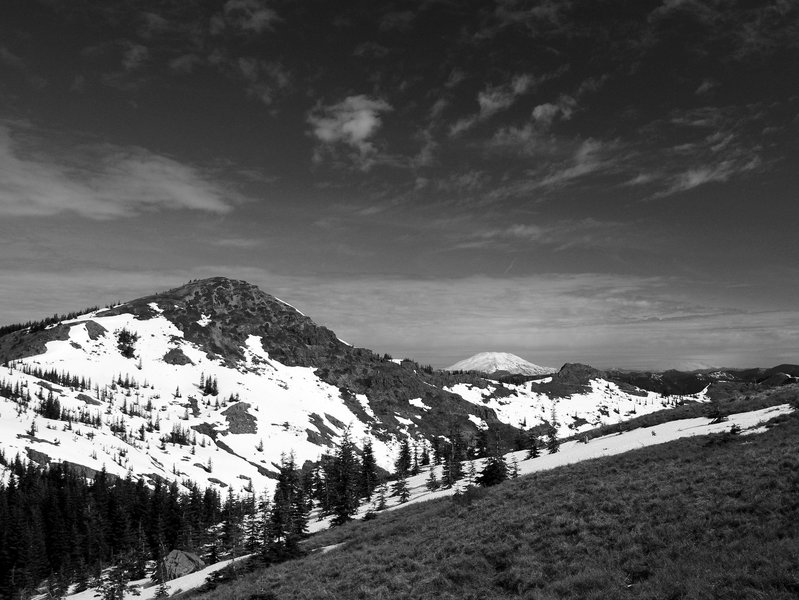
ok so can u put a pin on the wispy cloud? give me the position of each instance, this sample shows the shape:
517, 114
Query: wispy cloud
250, 17
712, 145
587, 233
494, 99
351, 124
97, 181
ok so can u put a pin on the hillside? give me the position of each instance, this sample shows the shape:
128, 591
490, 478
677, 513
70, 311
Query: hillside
704, 517
213, 381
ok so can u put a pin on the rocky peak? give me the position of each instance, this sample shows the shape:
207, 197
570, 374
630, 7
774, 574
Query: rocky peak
219, 314
577, 373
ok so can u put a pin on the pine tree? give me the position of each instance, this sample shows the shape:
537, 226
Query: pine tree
553, 443
532, 446
403, 463
454, 454
471, 473
368, 475
252, 536
400, 489
481, 444
288, 517
381, 497
514, 468
231, 531
494, 472
345, 485
425, 456
432, 482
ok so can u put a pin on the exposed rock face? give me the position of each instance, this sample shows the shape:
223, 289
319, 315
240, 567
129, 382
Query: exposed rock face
576, 373
175, 356
239, 420
179, 563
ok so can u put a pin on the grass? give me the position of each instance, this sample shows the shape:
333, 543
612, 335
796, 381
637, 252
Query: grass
699, 518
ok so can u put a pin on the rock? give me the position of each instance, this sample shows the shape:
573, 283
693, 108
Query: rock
179, 563
175, 356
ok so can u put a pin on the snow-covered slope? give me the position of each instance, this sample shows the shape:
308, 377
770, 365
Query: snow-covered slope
493, 362
213, 381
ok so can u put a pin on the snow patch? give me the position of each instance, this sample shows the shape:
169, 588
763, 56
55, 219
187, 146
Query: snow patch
417, 402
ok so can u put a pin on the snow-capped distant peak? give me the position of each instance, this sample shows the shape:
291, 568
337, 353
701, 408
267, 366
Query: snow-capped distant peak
491, 362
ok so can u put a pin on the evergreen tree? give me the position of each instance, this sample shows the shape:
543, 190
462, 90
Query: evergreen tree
288, 517
553, 443
425, 455
513, 471
400, 489
471, 473
381, 497
481, 444
454, 454
532, 446
403, 463
231, 529
494, 472
346, 488
368, 477
432, 482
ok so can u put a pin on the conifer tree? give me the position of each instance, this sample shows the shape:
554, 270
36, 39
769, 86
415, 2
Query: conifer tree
368, 475
403, 462
553, 443
432, 482
400, 489
288, 517
454, 454
532, 446
514, 468
345, 485
481, 444
494, 472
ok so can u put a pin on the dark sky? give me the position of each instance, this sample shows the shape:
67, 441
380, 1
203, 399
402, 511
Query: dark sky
612, 182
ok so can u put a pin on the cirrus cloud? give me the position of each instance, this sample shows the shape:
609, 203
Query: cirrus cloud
99, 181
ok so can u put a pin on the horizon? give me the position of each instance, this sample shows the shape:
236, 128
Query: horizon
685, 366
610, 186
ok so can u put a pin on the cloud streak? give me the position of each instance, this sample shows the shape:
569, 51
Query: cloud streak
495, 99
98, 181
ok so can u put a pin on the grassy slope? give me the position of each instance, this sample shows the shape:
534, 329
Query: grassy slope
696, 518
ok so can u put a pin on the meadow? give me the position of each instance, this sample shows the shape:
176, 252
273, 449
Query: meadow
706, 517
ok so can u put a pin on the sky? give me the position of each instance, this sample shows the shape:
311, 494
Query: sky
597, 181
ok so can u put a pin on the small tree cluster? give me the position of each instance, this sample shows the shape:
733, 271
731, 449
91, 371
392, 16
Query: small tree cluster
126, 341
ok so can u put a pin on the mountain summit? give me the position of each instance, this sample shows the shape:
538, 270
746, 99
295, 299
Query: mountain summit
492, 362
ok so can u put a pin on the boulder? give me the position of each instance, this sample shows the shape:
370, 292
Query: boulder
179, 563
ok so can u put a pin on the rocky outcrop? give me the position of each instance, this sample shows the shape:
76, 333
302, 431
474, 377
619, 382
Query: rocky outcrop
179, 563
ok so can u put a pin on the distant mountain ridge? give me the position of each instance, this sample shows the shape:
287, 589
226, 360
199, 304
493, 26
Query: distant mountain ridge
494, 362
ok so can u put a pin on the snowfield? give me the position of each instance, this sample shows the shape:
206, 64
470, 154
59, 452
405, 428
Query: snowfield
605, 404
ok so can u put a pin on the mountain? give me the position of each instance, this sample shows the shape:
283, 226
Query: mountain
211, 382
493, 362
